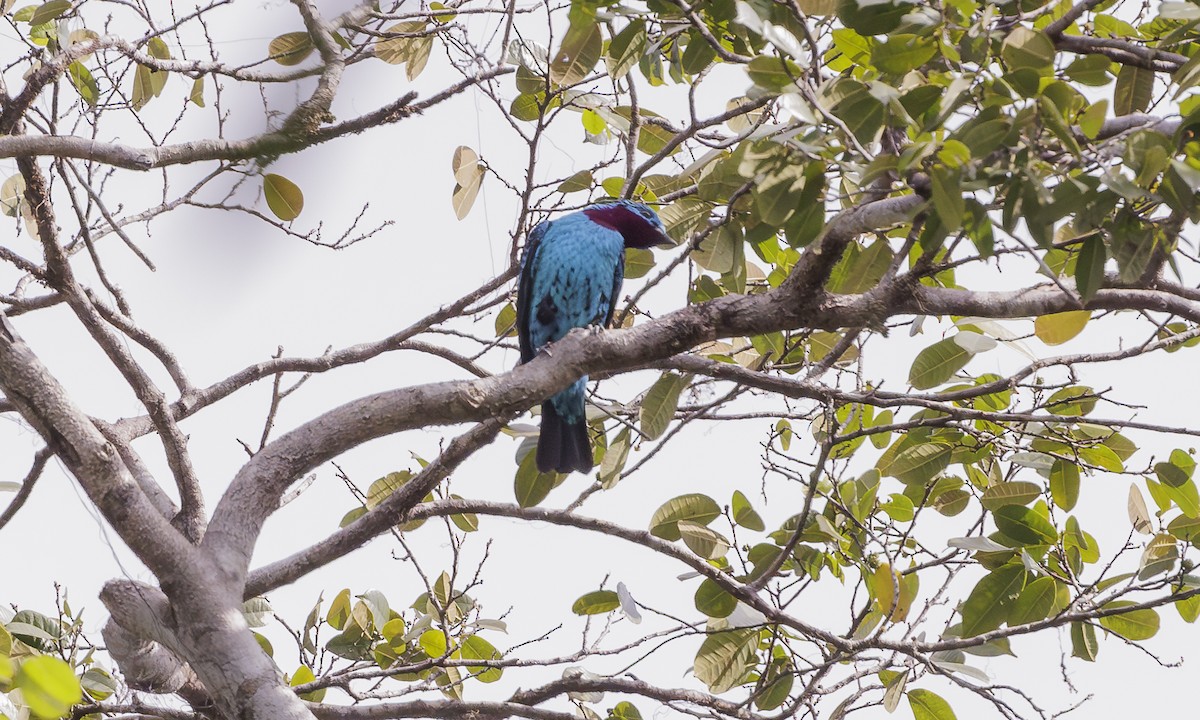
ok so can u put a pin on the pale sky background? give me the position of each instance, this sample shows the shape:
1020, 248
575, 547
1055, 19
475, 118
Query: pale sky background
229, 290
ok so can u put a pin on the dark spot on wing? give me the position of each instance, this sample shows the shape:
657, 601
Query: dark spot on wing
546, 311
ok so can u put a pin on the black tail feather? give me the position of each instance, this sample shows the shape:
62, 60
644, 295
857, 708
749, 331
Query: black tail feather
562, 447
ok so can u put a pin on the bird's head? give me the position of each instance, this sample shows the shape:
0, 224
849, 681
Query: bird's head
637, 222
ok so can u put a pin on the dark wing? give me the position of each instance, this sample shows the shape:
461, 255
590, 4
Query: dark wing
618, 277
525, 288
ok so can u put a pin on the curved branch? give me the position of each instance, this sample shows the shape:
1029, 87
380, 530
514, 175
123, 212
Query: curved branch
384, 516
257, 487
264, 145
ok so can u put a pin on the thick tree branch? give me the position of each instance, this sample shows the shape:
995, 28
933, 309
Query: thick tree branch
256, 489
384, 516
90, 457
269, 144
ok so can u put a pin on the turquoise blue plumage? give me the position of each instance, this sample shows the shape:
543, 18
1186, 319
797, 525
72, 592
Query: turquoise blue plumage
571, 272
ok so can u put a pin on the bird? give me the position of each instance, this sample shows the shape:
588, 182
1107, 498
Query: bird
571, 273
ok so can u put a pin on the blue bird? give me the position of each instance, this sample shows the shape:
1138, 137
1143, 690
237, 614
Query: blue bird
571, 272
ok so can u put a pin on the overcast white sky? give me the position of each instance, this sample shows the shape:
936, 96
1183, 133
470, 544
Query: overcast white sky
229, 290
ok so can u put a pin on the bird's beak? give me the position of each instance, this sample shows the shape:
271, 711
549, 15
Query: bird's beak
664, 241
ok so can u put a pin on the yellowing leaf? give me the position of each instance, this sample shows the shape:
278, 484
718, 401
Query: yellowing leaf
578, 54
197, 94
463, 197
283, 196
291, 48
12, 194
397, 50
1058, 328
465, 164
1139, 514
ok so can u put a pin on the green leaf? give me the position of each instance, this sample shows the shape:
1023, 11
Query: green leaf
1188, 608
708, 544
1159, 556
1185, 528
726, 658
693, 507
928, 705
593, 124
614, 460
1064, 484
774, 692
638, 262
713, 601
302, 676
84, 83
720, 251
1083, 641
948, 198
467, 522
1133, 625
531, 486
987, 606
582, 180
1134, 90
49, 11
773, 72
625, 49
291, 48
1034, 603
918, 463
1092, 119
1026, 48
147, 84
1017, 492
937, 363
1089, 269
48, 685
1093, 69
476, 648
98, 684
1025, 525
1186, 497
1053, 119
658, 406
578, 54
284, 197
382, 488
624, 710
597, 602
339, 610
744, 514
433, 642
901, 53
